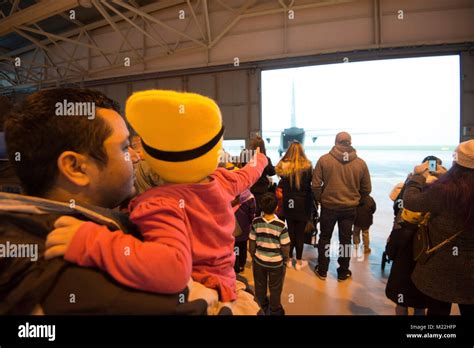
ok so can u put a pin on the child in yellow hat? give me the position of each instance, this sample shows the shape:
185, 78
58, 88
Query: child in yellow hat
186, 223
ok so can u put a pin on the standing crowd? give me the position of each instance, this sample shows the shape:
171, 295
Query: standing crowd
152, 217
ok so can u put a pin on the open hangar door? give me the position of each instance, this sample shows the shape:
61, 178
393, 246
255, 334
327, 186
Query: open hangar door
467, 95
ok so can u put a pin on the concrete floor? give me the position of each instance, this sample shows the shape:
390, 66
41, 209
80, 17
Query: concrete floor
364, 293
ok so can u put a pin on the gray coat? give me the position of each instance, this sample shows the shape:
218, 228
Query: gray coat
448, 275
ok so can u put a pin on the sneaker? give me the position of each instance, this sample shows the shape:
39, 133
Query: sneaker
321, 274
344, 276
299, 266
289, 263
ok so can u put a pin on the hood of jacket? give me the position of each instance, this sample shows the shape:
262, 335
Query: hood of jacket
343, 153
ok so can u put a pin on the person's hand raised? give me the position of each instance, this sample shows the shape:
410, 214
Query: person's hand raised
422, 169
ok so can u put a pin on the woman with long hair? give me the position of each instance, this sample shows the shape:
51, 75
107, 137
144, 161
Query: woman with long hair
446, 276
295, 171
263, 184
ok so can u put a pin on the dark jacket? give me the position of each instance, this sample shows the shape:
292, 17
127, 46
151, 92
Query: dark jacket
340, 179
59, 286
448, 274
297, 203
365, 212
244, 214
400, 250
262, 184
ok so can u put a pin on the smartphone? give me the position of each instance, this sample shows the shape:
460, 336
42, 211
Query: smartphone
432, 165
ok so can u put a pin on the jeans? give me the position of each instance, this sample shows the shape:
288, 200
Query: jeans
273, 279
345, 220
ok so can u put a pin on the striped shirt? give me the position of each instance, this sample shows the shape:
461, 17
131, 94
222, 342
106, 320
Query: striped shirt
269, 236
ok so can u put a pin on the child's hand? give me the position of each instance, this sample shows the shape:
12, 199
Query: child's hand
58, 240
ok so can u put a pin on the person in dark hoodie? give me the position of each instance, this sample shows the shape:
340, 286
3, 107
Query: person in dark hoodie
340, 179
244, 210
77, 166
263, 184
364, 219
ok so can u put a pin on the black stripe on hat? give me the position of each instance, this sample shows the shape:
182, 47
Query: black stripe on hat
181, 156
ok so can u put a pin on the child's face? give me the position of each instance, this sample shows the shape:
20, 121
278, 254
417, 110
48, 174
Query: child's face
136, 145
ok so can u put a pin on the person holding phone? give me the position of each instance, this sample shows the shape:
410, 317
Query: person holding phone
446, 277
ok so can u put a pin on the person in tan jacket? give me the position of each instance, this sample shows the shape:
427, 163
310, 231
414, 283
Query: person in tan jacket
340, 180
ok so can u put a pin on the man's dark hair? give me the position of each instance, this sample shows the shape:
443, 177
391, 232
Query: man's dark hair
268, 203
35, 133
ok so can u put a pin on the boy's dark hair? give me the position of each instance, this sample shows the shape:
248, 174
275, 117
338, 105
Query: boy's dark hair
36, 135
268, 203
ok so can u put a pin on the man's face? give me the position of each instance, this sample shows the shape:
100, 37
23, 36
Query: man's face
113, 183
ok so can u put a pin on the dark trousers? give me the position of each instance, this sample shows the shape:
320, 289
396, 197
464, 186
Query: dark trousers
241, 255
258, 197
271, 278
345, 220
436, 307
296, 233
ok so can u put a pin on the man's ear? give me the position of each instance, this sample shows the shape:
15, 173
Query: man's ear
74, 167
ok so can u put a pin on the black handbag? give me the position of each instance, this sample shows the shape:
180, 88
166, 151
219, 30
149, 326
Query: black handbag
422, 249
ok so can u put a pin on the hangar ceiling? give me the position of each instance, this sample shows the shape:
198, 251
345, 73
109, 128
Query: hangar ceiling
50, 42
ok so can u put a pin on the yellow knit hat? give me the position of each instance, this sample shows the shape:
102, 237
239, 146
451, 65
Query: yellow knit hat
181, 133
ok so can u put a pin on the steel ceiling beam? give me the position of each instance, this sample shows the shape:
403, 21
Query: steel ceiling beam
35, 13
112, 23
157, 21
99, 24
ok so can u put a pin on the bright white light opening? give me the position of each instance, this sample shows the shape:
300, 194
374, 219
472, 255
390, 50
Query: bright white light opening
410, 102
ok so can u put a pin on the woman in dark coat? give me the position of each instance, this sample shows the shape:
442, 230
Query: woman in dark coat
296, 172
447, 276
400, 289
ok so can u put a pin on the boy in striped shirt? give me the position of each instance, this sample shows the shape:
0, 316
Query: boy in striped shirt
270, 248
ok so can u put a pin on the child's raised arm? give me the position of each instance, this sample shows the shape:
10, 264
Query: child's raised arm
235, 182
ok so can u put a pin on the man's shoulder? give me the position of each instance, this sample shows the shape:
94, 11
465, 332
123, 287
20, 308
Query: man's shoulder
360, 163
326, 157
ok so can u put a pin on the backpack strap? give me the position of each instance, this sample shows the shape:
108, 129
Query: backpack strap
446, 241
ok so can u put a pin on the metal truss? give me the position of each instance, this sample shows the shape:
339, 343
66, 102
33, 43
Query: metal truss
47, 60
